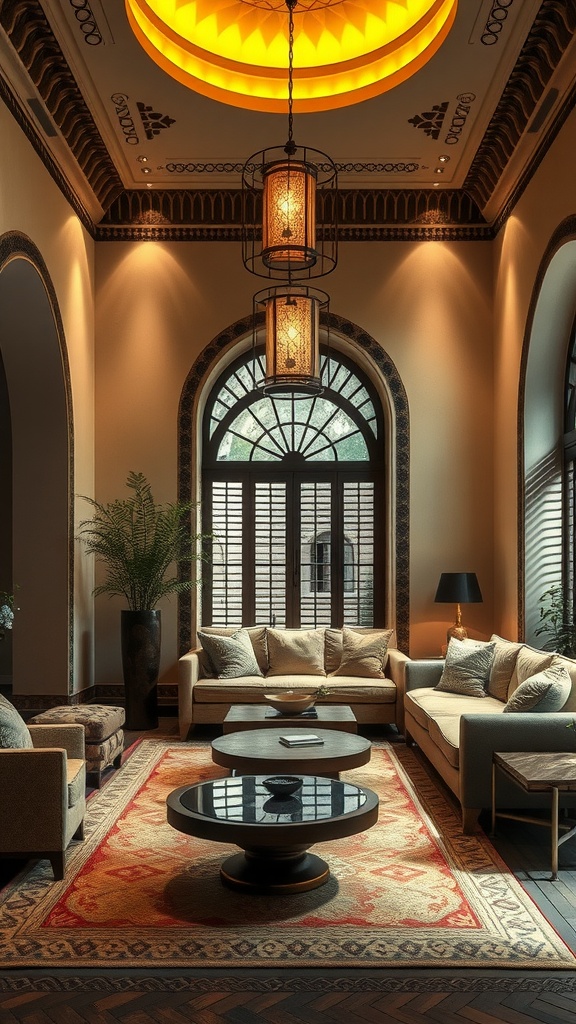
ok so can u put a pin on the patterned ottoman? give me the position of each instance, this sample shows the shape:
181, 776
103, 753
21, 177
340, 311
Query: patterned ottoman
104, 736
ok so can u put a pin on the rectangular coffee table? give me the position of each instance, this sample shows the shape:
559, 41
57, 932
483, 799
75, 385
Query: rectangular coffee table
256, 716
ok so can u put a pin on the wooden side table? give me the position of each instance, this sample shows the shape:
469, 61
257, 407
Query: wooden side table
538, 772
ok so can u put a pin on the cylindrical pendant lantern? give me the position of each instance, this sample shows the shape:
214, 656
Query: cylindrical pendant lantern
289, 215
292, 319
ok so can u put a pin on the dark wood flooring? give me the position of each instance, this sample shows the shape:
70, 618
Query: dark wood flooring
310, 997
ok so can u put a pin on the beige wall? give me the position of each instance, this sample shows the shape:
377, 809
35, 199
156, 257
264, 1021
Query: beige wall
31, 204
428, 305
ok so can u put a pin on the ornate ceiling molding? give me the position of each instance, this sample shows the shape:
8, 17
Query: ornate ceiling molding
552, 31
30, 34
211, 214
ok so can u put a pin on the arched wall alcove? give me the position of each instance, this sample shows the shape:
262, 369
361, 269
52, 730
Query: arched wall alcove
38, 387
368, 354
540, 424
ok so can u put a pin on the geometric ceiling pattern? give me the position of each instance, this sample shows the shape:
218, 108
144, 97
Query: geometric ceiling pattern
444, 155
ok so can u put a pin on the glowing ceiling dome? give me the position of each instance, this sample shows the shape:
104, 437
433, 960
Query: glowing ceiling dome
236, 51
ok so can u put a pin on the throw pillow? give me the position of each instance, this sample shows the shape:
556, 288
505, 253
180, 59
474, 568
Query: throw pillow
231, 656
363, 654
505, 657
14, 733
466, 669
546, 691
295, 652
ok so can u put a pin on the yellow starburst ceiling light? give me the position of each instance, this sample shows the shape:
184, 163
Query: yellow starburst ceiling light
346, 51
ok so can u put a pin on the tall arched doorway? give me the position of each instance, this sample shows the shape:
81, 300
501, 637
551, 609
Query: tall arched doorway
37, 388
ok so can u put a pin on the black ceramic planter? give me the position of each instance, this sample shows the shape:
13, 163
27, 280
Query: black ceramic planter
141, 664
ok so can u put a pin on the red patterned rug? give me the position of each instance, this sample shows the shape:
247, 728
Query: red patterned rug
411, 891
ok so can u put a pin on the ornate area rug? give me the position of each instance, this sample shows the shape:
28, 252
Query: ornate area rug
410, 892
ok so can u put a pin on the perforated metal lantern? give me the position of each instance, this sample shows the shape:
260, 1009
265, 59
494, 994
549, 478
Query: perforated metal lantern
292, 324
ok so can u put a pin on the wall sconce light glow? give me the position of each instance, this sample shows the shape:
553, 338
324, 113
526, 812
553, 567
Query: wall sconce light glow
346, 51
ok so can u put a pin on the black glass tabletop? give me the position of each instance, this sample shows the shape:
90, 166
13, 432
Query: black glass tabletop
247, 799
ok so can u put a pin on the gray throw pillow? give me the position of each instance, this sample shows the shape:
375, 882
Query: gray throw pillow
231, 657
467, 669
546, 691
14, 733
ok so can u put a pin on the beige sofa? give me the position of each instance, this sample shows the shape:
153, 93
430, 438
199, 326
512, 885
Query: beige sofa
458, 733
205, 699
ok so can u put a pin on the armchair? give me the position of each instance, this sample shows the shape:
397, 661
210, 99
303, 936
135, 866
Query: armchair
43, 795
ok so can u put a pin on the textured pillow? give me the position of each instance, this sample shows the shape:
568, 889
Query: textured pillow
230, 656
14, 733
295, 652
546, 691
505, 657
466, 669
363, 654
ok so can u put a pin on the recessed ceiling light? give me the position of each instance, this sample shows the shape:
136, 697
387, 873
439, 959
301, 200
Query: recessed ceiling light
443, 159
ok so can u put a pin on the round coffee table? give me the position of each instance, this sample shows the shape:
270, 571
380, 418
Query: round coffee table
259, 750
275, 833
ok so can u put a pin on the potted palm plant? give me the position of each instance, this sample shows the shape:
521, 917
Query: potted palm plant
141, 543
555, 625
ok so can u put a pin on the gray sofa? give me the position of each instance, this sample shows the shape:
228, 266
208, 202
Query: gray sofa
458, 734
206, 699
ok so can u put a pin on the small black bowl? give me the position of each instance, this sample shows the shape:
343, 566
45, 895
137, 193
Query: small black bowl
282, 785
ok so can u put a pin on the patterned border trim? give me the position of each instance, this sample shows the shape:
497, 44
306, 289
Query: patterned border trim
179, 212
565, 232
382, 981
236, 168
30, 34
14, 245
187, 432
87, 21
552, 31
491, 33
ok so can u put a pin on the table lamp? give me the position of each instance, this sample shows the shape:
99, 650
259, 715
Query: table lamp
458, 588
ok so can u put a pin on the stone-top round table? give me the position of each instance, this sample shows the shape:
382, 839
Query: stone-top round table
274, 833
254, 751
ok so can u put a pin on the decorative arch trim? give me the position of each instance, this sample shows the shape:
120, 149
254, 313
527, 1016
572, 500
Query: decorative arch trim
401, 454
15, 245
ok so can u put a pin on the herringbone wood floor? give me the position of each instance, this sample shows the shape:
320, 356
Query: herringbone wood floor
295, 997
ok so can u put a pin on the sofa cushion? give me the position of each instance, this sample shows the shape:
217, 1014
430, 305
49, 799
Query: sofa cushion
75, 779
250, 690
231, 656
363, 654
546, 691
528, 663
14, 733
427, 702
505, 657
295, 651
333, 644
466, 669
445, 731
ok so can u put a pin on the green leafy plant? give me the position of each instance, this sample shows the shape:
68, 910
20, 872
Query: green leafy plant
560, 634
139, 541
7, 609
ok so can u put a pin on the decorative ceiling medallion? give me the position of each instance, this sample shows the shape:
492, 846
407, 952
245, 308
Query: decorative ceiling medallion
345, 51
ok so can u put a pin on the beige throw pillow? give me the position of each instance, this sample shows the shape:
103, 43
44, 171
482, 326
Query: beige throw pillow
364, 654
505, 657
295, 652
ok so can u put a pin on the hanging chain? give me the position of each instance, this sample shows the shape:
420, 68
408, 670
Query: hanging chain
290, 146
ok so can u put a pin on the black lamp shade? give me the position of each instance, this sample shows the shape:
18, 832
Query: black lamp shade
458, 588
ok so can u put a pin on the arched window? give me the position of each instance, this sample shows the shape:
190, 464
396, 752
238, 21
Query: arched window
293, 498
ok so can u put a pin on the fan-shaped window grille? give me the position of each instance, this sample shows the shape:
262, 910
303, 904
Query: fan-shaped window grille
291, 486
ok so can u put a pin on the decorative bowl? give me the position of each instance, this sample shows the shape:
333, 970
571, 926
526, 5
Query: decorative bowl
282, 785
290, 703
